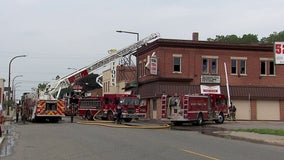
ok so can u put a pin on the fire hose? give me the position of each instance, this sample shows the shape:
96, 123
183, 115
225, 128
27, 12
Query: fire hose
106, 123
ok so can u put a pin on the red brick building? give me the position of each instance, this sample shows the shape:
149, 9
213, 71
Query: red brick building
255, 83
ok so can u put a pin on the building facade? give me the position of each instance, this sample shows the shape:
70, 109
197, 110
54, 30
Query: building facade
115, 80
1, 90
170, 66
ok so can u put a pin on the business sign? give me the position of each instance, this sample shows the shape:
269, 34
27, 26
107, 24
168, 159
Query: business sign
210, 89
153, 65
210, 79
279, 52
113, 73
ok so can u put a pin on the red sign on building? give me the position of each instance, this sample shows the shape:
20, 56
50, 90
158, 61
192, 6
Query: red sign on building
78, 76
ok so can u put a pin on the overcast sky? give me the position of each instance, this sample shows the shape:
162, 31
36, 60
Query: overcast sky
57, 34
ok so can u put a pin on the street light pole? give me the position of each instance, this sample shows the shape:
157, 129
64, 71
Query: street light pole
14, 91
137, 34
15, 78
13, 86
9, 81
72, 68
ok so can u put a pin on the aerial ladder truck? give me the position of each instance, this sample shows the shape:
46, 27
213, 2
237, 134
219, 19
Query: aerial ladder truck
50, 95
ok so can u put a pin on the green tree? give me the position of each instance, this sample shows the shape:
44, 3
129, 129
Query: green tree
41, 86
274, 37
249, 38
246, 38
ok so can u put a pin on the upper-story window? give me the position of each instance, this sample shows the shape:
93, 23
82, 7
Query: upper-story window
205, 66
177, 63
239, 65
234, 64
243, 66
267, 66
144, 68
214, 68
140, 71
209, 65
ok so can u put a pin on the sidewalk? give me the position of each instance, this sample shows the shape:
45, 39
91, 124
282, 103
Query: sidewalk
6, 119
255, 137
231, 128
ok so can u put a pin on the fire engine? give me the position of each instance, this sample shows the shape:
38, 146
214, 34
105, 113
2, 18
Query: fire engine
38, 109
104, 107
194, 108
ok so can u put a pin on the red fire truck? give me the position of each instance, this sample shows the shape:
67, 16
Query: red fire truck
38, 109
105, 107
194, 108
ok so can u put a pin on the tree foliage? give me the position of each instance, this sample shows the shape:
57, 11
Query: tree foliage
246, 38
41, 86
274, 37
249, 38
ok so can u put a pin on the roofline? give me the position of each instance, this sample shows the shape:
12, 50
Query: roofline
179, 43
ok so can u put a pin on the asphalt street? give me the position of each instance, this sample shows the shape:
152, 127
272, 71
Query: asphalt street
65, 140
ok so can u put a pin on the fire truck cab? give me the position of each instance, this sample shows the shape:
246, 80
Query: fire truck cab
194, 108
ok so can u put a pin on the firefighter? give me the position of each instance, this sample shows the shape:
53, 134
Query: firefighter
72, 112
119, 112
24, 114
18, 110
232, 110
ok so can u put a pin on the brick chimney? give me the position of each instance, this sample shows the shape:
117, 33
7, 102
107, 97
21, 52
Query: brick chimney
195, 36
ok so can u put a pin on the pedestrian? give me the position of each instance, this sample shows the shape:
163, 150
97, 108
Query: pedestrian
232, 110
17, 113
72, 112
24, 114
118, 114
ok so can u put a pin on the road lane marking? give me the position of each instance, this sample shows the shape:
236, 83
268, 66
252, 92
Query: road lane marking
201, 155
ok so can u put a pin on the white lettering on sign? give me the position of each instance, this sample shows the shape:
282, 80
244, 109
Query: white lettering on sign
279, 52
210, 89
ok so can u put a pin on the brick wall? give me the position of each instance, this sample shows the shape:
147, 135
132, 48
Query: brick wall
191, 66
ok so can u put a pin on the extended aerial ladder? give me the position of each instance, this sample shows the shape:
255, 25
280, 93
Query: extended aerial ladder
55, 87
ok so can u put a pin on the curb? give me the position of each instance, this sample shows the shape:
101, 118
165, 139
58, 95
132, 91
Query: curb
255, 137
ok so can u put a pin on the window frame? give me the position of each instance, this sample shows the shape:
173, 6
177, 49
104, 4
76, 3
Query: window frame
263, 69
269, 64
216, 65
140, 71
207, 65
273, 66
144, 68
245, 66
235, 66
178, 65
238, 66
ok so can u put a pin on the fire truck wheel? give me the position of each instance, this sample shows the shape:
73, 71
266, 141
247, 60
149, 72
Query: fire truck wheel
220, 119
110, 116
199, 120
